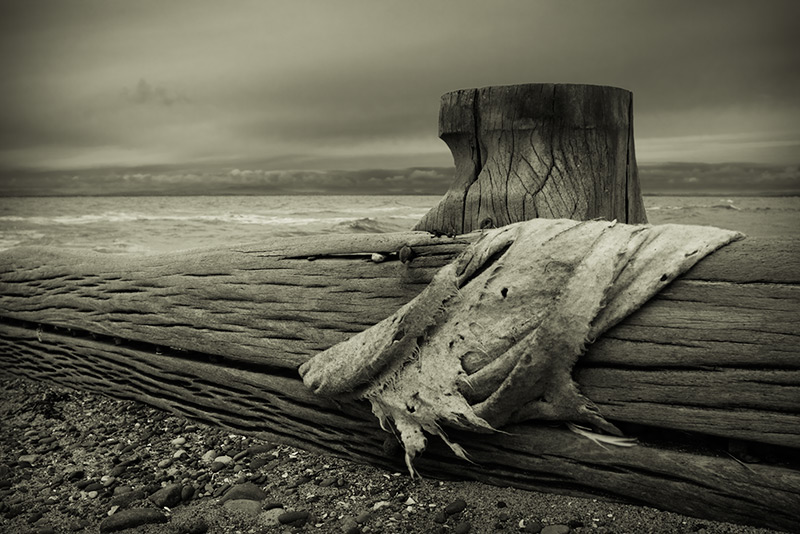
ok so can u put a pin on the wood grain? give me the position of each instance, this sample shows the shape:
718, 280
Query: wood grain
537, 150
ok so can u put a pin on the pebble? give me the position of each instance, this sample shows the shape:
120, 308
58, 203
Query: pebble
223, 459
296, 518
243, 505
180, 453
93, 486
327, 482
28, 458
208, 456
258, 463
380, 504
260, 449
163, 464
124, 499
462, 528
246, 491
187, 492
177, 442
455, 507
169, 496
132, 518
75, 475
216, 467
556, 529
221, 490
270, 517
118, 470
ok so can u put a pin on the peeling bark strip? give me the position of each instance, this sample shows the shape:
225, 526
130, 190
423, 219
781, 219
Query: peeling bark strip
537, 151
217, 335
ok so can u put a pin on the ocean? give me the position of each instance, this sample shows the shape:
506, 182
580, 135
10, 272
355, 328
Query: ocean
148, 225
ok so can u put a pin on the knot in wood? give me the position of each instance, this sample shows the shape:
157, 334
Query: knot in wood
406, 254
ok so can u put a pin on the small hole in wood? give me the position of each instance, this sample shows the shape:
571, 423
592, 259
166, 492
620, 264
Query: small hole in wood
504, 292
664, 277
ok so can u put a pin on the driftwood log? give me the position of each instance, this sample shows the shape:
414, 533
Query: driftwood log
557, 151
217, 335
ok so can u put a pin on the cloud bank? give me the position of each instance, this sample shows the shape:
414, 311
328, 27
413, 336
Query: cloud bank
355, 84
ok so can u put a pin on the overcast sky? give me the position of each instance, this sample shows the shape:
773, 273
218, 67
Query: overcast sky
346, 84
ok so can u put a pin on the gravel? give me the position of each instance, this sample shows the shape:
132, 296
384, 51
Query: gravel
71, 461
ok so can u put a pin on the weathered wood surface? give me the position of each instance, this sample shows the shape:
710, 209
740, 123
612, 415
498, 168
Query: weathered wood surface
218, 335
537, 150
718, 347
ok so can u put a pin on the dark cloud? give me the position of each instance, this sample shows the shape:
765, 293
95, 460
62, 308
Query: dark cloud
145, 93
356, 83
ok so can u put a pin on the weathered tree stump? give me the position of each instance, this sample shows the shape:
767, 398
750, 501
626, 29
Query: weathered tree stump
537, 150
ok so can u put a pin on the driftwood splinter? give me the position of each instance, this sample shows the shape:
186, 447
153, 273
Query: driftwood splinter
494, 338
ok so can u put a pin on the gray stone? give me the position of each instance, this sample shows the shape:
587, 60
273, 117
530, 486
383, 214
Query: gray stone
455, 507
269, 518
168, 496
187, 492
244, 505
295, 518
124, 499
247, 491
132, 518
28, 458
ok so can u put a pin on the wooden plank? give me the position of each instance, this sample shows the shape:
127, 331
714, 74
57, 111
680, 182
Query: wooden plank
529, 456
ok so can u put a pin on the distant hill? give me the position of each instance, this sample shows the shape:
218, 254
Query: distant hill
656, 179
